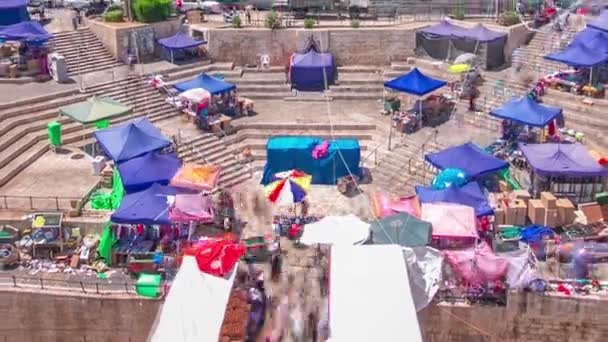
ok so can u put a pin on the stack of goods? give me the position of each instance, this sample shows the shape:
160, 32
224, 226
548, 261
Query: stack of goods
234, 327
551, 212
510, 208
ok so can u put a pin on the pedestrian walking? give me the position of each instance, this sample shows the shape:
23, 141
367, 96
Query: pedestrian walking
248, 15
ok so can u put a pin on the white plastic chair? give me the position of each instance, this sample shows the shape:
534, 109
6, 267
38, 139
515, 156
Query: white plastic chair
265, 61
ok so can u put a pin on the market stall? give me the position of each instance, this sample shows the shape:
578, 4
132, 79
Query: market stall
311, 70
336, 230
23, 51
431, 111
454, 225
469, 158
179, 46
567, 170
13, 12
131, 140
445, 41
470, 195
578, 55
197, 177
289, 153
140, 173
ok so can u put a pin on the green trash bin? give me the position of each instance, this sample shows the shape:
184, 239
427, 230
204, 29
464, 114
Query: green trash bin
54, 132
148, 285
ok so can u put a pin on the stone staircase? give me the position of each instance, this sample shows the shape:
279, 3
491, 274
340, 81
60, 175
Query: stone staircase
544, 42
83, 52
23, 137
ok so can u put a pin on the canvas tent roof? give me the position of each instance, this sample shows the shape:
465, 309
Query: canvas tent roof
527, 111
484, 34
571, 160
401, 229
370, 296
13, 11
191, 207
311, 70
212, 84
467, 157
131, 140
415, 83
148, 207
469, 195
450, 220
578, 55
592, 39
25, 30
194, 309
447, 29
141, 172
313, 59
180, 40
601, 22
335, 230
94, 109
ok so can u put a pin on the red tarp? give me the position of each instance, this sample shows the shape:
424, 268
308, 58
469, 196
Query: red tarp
217, 257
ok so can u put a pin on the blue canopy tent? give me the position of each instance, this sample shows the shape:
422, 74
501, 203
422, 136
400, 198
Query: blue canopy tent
467, 157
131, 140
601, 22
470, 195
578, 55
212, 84
147, 207
310, 70
593, 39
526, 111
13, 12
141, 172
30, 31
415, 83
289, 153
445, 28
179, 41
571, 160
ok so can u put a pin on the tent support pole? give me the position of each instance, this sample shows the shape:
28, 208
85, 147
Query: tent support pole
172, 61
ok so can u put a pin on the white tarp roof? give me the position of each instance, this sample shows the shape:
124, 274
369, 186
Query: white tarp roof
370, 297
194, 308
349, 230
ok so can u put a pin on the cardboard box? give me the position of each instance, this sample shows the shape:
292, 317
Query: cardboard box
565, 212
592, 211
522, 195
551, 218
510, 214
499, 216
536, 211
503, 186
548, 200
521, 211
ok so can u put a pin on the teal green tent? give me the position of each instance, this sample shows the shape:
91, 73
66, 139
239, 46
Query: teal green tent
401, 229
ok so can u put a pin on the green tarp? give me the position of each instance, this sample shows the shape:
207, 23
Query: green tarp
106, 243
401, 229
95, 109
109, 201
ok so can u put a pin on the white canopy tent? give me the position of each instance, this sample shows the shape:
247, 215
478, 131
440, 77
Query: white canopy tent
194, 308
370, 297
336, 230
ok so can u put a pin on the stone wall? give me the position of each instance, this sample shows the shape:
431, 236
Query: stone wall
116, 36
30, 316
350, 46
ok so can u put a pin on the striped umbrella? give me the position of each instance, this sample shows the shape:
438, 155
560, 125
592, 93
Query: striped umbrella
288, 187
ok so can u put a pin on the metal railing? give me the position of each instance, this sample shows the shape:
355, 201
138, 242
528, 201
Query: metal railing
9, 202
110, 286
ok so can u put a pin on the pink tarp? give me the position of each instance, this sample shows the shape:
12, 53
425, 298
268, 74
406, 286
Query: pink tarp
450, 220
385, 206
188, 208
477, 266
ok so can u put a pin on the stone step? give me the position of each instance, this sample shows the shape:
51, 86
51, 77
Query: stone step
22, 161
264, 96
238, 125
347, 69
356, 88
369, 95
259, 88
269, 70
251, 134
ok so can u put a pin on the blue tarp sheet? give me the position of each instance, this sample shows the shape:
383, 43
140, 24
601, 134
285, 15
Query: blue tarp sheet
483, 34
467, 157
289, 153
415, 83
179, 41
309, 71
145, 207
141, 172
211, 84
13, 12
131, 140
25, 30
470, 195
570, 160
601, 22
527, 111
578, 55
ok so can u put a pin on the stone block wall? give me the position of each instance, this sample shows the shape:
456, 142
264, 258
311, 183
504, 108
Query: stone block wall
36, 316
